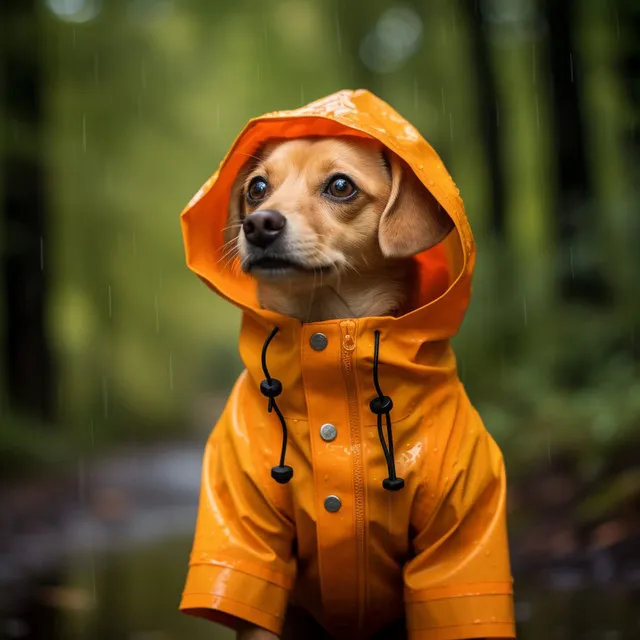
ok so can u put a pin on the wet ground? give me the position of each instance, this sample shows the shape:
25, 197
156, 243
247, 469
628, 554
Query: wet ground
111, 564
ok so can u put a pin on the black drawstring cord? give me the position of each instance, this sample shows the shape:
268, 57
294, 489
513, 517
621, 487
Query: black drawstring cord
272, 388
382, 405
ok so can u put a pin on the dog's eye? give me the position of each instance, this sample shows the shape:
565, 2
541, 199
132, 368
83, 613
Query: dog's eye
340, 187
257, 189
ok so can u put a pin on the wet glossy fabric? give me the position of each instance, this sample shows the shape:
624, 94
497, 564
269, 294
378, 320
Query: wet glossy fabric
436, 551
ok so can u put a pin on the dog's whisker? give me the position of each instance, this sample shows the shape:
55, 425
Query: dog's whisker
228, 256
249, 155
229, 243
235, 225
228, 248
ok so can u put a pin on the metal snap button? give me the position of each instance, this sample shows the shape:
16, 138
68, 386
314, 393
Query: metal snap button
332, 504
328, 432
318, 341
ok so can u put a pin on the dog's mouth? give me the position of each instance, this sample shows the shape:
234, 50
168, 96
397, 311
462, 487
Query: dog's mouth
274, 267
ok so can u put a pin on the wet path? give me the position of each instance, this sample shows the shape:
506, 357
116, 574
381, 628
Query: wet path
102, 553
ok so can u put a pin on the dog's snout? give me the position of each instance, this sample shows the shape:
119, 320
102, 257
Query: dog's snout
263, 227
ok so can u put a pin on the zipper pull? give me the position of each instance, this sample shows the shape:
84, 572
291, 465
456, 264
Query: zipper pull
348, 335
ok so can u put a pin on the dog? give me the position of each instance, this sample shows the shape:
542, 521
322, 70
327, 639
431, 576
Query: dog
338, 232
327, 226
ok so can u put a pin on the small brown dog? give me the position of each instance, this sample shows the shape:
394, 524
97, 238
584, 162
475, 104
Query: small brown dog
349, 487
326, 226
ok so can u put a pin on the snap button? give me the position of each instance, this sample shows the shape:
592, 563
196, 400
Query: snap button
332, 504
328, 432
318, 341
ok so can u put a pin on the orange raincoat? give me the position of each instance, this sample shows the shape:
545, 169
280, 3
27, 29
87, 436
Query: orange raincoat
355, 555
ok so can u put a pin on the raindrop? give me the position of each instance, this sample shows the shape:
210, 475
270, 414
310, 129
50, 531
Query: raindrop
265, 31
533, 63
451, 125
96, 68
105, 398
444, 108
157, 313
571, 65
93, 576
338, 35
573, 273
81, 481
110, 302
143, 74
171, 371
537, 113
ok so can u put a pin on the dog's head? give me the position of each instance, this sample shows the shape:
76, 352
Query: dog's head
328, 206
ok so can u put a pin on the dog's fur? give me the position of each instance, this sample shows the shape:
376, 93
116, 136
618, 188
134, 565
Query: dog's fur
351, 256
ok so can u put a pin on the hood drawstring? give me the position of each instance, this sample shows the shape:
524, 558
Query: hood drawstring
382, 405
272, 388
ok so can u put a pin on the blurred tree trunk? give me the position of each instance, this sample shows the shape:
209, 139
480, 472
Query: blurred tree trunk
26, 358
489, 113
352, 27
574, 189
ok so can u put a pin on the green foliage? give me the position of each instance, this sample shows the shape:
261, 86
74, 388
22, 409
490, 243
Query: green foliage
143, 103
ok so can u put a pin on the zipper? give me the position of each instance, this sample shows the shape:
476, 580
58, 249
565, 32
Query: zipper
348, 328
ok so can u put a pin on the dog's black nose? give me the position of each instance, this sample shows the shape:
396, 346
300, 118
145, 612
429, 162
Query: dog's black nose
263, 227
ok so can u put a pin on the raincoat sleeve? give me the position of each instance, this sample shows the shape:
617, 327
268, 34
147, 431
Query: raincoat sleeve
242, 563
458, 584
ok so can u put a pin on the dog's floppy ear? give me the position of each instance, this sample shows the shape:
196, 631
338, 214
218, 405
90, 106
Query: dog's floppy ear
412, 221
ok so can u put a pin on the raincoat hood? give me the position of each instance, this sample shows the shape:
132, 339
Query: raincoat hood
361, 527
445, 271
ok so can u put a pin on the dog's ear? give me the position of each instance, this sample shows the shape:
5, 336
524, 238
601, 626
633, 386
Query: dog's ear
413, 221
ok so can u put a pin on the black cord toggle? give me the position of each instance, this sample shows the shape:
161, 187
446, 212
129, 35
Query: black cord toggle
272, 388
381, 406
